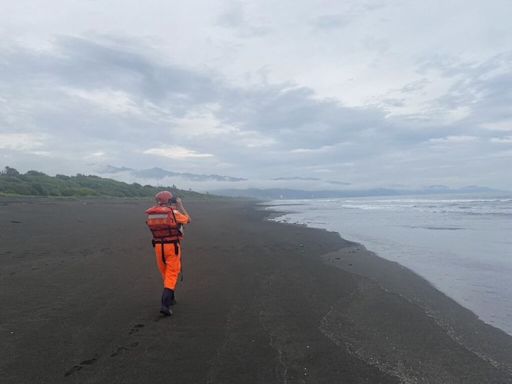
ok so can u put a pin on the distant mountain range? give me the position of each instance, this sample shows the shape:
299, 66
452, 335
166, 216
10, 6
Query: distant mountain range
296, 178
159, 173
343, 190
279, 193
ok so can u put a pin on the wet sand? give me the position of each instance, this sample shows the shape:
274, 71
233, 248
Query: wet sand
261, 302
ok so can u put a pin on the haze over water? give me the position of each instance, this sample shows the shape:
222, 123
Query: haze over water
462, 245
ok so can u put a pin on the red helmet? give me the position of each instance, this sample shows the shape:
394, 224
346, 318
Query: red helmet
163, 197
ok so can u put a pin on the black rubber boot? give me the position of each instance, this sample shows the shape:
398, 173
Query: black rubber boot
167, 297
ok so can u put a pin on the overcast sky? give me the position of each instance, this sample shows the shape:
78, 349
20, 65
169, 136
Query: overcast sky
354, 93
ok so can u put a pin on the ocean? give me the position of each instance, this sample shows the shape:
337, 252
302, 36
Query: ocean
462, 245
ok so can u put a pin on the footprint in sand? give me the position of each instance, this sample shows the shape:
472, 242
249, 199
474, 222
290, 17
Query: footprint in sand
78, 367
73, 370
122, 349
135, 328
89, 362
118, 351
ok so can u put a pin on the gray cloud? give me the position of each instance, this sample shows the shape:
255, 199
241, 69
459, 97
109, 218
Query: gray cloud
235, 18
415, 86
484, 88
329, 22
90, 102
351, 13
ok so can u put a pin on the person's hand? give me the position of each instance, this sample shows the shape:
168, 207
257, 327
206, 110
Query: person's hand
178, 200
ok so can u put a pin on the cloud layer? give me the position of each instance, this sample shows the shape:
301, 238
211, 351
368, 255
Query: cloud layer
72, 101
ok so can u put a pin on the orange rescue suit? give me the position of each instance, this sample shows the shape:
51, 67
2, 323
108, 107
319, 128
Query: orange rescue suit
169, 263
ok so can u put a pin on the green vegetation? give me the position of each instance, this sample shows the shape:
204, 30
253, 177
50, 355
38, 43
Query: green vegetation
36, 183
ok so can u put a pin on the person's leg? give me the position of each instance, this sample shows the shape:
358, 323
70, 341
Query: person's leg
161, 263
173, 266
172, 270
167, 295
160, 260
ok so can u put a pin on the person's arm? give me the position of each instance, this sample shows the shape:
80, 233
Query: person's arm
181, 208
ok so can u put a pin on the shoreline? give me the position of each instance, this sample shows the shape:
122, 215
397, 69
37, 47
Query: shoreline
447, 312
479, 305
261, 302
460, 323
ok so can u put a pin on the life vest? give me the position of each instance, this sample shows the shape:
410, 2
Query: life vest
162, 223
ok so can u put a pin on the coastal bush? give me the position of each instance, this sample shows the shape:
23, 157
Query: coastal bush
37, 183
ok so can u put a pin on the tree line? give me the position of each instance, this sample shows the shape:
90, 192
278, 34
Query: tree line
34, 183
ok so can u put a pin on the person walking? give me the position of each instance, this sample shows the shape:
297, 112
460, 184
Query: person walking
166, 220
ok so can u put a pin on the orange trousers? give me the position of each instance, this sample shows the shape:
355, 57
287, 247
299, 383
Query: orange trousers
171, 268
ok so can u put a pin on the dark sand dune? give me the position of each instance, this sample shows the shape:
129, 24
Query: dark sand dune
261, 302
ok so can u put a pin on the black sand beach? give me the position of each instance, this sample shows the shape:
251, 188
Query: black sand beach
261, 302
